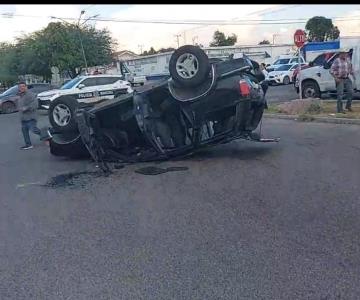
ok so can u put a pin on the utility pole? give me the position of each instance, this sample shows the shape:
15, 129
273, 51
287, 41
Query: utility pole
82, 46
177, 39
141, 48
274, 35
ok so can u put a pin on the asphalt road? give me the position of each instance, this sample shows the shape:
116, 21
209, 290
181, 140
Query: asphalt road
281, 93
246, 221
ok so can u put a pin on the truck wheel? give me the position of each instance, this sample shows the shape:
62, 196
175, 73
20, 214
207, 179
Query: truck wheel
189, 66
68, 144
310, 90
62, 114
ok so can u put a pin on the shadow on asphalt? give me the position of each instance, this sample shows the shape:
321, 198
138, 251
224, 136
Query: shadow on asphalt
240, 153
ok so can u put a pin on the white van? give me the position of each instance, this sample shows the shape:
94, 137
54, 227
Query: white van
317, 80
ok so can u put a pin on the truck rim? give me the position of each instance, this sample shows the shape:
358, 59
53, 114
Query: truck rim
187, 65
61, 114
309, 92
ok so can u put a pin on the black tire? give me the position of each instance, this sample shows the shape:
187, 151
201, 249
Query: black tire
286, 80
256, 117
8, 107
201, 63
68, 145
310, 89
71, 104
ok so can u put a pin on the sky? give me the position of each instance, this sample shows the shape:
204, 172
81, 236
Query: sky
137, 36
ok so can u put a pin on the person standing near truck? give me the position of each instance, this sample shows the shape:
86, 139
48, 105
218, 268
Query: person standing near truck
265, 83
341, 69
27, 105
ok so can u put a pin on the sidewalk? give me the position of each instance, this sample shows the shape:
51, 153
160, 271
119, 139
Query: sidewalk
313, 110
312, 118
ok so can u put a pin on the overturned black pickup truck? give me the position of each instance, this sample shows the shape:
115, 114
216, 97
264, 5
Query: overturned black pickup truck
205, 102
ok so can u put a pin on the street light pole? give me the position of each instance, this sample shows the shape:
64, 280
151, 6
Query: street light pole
177, 38
77, 25
274, 35
81, 42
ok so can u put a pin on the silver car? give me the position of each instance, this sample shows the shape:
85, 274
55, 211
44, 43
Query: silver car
9, 98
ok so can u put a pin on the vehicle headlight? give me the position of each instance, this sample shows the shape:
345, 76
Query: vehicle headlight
48, 96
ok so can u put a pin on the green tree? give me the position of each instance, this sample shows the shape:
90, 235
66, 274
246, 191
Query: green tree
59, 45
320, 29
151, 51
264, 42
334, 33
219, 39
161, 50
169, 49
8, 74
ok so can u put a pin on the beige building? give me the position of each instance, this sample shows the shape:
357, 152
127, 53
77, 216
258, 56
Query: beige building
124, 55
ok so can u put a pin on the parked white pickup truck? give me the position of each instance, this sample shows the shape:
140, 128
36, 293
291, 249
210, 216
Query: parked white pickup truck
131, 77
135, 79
317, 80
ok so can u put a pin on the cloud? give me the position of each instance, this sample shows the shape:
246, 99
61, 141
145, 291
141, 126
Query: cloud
17, 26
131, 35
349, 27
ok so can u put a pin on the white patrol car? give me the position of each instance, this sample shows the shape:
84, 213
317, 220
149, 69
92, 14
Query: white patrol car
283, 74
286, 59
82, 90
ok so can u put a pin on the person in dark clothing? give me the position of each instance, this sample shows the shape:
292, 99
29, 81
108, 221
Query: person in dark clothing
27, 106
265, 83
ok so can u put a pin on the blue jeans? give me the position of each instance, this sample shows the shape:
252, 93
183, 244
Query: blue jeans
25, 127
344, 84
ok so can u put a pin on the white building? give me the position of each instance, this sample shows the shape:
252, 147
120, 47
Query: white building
124, 55
157, 65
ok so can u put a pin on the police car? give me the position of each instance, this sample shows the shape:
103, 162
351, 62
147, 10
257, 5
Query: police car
82, 90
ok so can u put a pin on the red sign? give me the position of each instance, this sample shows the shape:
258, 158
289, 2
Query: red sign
299, 38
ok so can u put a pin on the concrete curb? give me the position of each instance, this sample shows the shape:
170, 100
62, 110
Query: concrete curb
316, 119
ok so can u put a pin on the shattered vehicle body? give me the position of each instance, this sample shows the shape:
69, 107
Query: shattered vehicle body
174, 117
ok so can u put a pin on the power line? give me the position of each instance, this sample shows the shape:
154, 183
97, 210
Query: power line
193, 22
259, 13
239, 23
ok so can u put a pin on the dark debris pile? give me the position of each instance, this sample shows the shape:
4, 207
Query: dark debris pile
72, 179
